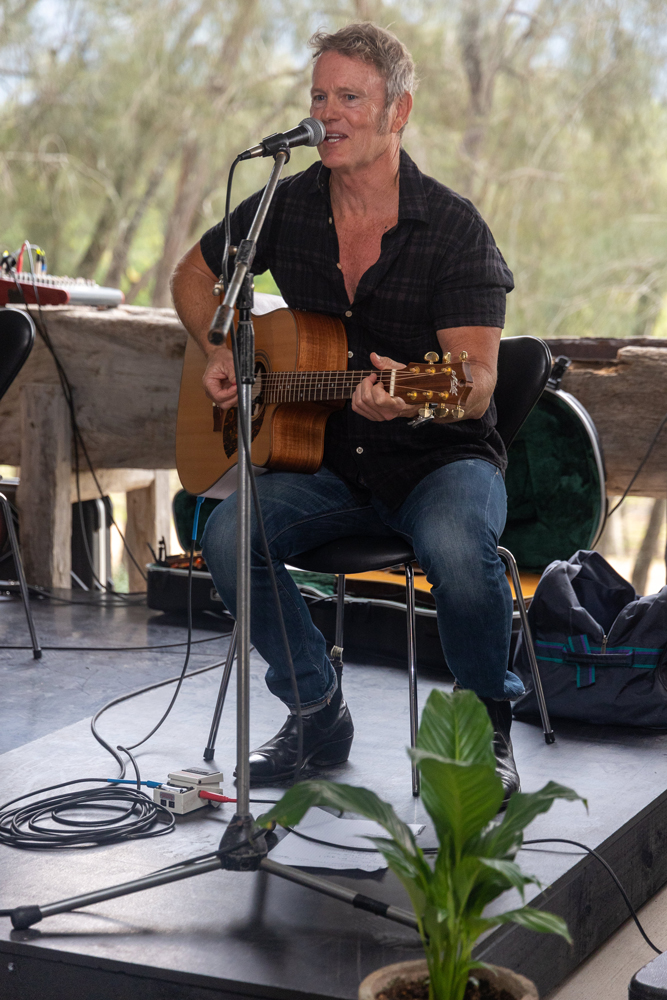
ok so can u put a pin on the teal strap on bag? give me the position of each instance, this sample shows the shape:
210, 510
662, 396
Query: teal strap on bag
579, 653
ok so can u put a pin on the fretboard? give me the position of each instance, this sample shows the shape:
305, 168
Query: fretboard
294, 387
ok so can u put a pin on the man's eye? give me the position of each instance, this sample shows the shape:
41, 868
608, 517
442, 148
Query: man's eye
351, 97
317, 97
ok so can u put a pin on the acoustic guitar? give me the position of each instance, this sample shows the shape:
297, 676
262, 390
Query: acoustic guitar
301, 367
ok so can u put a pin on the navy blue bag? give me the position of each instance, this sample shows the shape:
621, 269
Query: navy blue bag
601, 650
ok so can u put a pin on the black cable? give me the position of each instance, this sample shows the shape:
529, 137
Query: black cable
117, 795
224, 272
188, 653
52, 824
607, 866
118, 649
329, 843
151, 687
136, 815
641, 464
245, 444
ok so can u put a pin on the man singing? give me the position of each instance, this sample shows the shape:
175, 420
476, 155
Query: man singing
409, 267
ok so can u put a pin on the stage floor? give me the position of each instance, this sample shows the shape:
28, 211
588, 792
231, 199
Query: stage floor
228, 935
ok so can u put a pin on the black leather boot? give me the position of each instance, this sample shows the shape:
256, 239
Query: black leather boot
500, 713
327, 739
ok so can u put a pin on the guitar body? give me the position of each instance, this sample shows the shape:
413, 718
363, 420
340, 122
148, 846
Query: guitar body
285, 436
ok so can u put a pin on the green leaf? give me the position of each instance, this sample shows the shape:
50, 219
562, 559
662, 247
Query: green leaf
296, 802
457, 726
510, 872
535, 920
460, 798
522, 809
414, 873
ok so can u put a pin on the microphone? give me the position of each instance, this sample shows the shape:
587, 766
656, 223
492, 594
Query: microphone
309, 132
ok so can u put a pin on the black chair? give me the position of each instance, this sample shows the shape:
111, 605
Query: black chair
17, 336
524, 365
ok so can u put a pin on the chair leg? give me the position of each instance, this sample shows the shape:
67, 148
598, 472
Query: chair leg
412, 666
549, 736
336, 654
209, 752
13, 541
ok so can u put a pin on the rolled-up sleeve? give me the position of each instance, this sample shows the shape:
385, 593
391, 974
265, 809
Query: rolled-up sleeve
470, 286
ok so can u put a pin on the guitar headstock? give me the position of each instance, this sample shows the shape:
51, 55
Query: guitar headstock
440, 386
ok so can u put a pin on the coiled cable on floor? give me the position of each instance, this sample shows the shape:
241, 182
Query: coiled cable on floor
68, 820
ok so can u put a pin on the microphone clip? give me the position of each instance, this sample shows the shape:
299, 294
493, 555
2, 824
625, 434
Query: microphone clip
270, 146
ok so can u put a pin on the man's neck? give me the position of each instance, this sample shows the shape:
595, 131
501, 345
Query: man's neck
367, 190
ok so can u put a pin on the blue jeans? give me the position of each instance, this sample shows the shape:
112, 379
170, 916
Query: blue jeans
453, 519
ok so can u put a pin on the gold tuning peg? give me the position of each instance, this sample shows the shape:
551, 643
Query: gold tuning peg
432, 357
463, 355
446, 358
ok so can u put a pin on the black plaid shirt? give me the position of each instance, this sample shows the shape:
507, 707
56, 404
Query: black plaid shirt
439, 267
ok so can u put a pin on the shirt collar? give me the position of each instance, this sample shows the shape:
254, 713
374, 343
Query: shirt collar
412, 202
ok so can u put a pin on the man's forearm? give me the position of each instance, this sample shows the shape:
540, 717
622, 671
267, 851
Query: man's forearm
484, 382
481, 345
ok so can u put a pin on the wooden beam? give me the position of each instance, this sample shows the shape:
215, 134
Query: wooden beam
111, 481
148, 518
43, 495
627, 399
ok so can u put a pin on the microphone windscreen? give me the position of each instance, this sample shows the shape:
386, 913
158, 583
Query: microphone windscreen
316, 130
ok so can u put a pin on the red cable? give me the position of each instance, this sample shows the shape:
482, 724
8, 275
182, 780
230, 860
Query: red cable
214, 796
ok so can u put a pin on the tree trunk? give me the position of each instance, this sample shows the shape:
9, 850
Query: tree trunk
129, 230
98, 244
648, 547
189, 191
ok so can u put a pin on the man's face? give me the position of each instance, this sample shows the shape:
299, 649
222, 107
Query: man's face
348, 96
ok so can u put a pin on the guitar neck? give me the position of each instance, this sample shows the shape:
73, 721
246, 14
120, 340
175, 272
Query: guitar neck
294, 387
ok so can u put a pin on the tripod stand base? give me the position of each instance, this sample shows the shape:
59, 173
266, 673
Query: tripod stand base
245, 847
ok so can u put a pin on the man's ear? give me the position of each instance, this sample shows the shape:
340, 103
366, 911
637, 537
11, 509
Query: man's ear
402, 109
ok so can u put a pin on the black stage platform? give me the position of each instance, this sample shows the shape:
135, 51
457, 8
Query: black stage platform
226, 935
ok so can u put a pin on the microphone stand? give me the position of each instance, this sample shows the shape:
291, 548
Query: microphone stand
243, 847
242, 851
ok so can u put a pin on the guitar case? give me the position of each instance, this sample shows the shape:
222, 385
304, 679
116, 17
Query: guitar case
555, 481
556, 506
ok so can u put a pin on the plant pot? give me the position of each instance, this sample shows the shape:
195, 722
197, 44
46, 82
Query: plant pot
519, 987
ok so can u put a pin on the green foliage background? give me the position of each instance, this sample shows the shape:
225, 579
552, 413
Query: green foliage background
118, 122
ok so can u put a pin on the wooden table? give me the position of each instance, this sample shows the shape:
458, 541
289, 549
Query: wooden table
125, 366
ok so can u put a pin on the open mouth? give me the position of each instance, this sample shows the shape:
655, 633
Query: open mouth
333, 137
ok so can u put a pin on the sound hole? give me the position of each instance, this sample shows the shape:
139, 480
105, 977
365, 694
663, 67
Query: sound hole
229, 428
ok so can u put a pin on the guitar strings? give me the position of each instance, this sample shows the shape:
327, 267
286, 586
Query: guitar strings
276, 385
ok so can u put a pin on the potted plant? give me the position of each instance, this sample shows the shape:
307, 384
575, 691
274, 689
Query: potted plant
475, 860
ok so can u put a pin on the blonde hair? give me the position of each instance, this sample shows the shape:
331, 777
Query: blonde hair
372, 44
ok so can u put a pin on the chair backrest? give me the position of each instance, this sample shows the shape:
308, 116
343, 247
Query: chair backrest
524, 365
17, 335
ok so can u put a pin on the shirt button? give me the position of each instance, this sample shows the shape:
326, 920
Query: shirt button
348, 313
330, 220
360, 450
350, 354
338, 266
